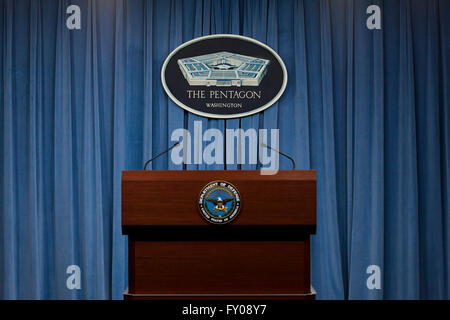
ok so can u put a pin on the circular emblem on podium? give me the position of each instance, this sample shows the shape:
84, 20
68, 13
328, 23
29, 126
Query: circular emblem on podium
219, 202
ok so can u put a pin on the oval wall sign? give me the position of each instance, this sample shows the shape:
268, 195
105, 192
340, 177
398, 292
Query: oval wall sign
224, 76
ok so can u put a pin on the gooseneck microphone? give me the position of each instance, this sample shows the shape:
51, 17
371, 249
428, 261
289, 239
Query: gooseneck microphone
283, 154
160, 154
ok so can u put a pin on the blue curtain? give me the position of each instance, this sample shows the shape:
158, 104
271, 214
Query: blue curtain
368, 109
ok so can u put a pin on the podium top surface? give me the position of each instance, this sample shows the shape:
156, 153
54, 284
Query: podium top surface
176, 175
171, 198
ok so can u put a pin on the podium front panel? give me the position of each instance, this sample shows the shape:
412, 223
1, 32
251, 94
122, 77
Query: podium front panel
170, 198
220, 267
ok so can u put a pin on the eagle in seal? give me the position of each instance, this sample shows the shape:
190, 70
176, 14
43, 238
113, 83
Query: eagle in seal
219, 203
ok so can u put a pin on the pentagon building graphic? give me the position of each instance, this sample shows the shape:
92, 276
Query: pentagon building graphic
223, 69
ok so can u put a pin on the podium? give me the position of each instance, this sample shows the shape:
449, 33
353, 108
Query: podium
174, 252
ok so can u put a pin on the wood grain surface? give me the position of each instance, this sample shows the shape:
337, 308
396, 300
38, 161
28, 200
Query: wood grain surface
152, 198
219, 267
175, 253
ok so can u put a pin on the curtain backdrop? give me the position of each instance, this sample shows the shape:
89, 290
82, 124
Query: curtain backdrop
368, 109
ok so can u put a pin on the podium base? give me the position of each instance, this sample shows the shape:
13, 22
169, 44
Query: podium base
144, 296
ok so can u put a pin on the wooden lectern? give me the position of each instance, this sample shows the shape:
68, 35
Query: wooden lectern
174, 253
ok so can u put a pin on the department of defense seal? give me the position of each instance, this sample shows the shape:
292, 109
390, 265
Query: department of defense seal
219, 202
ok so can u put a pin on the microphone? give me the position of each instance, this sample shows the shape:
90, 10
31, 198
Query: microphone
160, 154
283, 154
